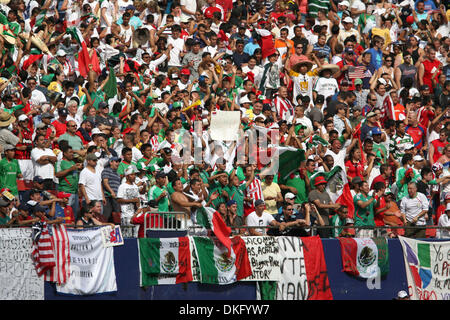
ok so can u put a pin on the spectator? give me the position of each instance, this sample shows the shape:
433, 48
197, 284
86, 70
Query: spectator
262, 219
415, 207
43, 160
90, 182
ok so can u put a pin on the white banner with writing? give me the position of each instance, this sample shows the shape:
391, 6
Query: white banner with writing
92, 264
293, 284
18, 277
427, 265
263, 253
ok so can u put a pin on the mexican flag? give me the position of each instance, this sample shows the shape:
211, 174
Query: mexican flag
84, 57
303, 269
315, 140
286, 160
426, 265
365, 257
216, 265
337, 187
212, 220
164, 261
39, 19
110, 88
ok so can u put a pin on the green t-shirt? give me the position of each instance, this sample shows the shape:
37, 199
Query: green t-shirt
9, 170
4, 220
377, 147
74, 141
217, 187
69, 183
337, 222
237, 194
155, 192
299, 184
123, 166
364, 216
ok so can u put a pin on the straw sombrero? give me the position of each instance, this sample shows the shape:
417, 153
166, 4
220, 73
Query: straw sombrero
6, 119
36, 41
332, 67
303, 61
140, 37
7, 34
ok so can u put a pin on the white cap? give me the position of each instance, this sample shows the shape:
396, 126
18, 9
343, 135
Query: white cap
289, 195
130, 170
344, 3
23, 117
348, 19
448, 207
96, 131
244, 99
402, 294
418, 158
61, 53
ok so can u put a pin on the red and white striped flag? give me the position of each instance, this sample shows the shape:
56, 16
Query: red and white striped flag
61, 271
356, 72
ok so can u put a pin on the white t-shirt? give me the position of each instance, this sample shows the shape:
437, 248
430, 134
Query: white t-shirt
444, 221
92, 182
254, 220
190, 5
46, 171
411, 207
178, 45
127, 191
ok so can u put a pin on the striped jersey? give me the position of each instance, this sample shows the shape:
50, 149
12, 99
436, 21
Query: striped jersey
283, 108
398, 145
254, 191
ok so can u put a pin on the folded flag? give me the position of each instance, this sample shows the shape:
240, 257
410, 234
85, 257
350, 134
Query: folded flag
315, 140
42, 254
289, 160
365, 257
212, 220
60, 273
164, 261
217, 266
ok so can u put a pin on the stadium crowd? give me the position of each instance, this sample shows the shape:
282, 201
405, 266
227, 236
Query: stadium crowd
103, 104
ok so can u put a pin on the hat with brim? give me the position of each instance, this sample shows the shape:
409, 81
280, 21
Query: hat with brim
36, 41
298, 65
320, 180
7, 34
331, 67
6, 119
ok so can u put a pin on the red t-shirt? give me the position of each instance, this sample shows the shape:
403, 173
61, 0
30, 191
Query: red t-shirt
438, 148
60, 127
379, 217
354, 169
155, 220
418, 134
379, 179
341, 64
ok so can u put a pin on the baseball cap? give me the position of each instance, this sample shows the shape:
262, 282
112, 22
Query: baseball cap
371, 114
47, 115
402, 294
63, 112
22, 117
3, 203
448, 207
102, 105
231, 202
259, 202
418, 158
344, 3
358, 81
114, 159
130, 7
289, 195
91, 156
160, 174
376, 130
356, 180
61, 53
185, 72
130, 170
38, 179
348, 19
63, 194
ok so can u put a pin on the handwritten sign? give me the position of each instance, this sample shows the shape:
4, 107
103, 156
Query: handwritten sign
263, 253
427, 266
111, 237
18, 277
91, 266
293, 283
225, 125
